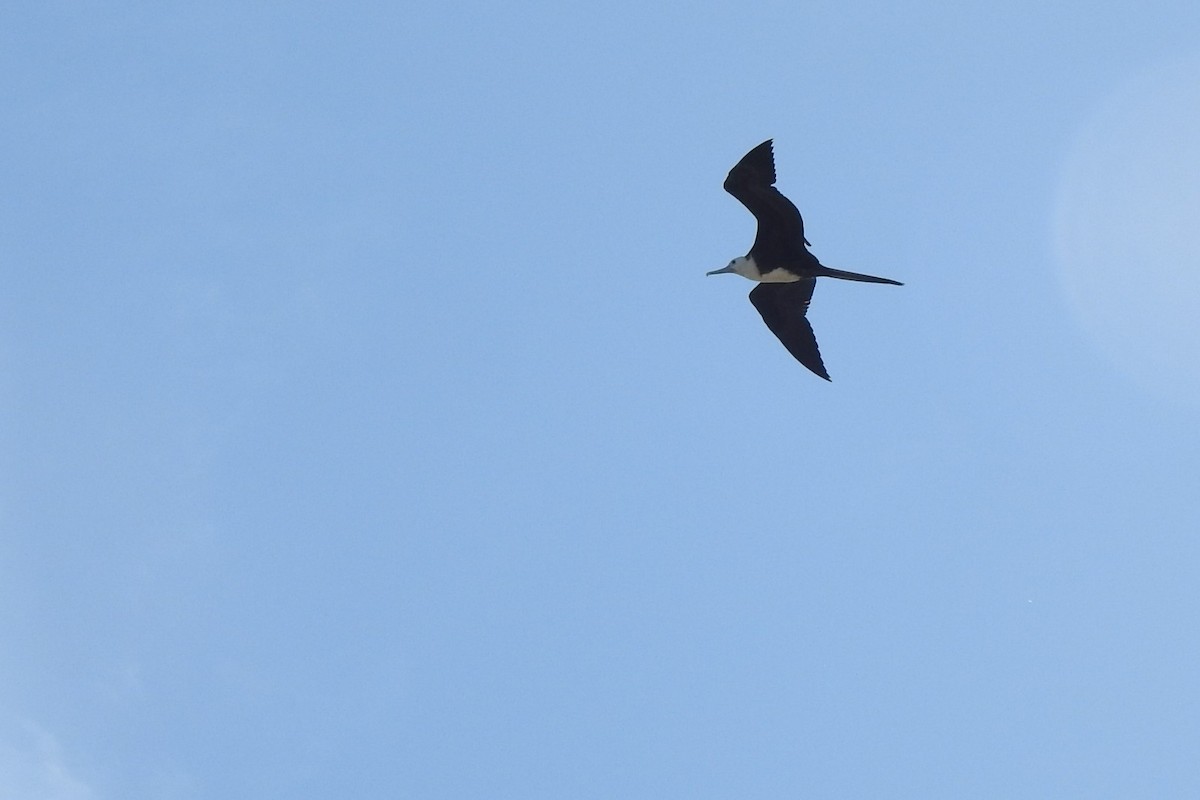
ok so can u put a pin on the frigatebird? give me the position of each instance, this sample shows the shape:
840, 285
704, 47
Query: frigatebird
779, 258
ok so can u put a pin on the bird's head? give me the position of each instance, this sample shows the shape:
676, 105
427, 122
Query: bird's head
739, 266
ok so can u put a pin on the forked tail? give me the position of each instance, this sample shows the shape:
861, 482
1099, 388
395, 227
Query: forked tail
830, 272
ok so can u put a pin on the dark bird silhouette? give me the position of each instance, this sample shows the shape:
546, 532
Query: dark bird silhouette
779, 259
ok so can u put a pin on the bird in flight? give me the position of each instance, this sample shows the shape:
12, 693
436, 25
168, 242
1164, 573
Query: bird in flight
779, 258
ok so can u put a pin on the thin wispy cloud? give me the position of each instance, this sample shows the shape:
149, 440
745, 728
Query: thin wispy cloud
33, 767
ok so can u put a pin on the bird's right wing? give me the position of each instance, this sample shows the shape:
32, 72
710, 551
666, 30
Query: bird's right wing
784, 307
752, 182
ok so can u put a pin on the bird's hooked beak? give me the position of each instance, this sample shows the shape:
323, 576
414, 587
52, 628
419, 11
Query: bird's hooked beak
719, 271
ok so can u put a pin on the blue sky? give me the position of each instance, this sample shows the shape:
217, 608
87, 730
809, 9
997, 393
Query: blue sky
368, 427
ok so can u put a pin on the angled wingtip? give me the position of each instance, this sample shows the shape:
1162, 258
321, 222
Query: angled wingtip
757, 168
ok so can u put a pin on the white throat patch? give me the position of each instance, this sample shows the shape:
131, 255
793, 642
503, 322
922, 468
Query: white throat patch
746, 267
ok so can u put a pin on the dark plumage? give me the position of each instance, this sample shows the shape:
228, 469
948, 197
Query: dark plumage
779, 259
784, 307
780, 226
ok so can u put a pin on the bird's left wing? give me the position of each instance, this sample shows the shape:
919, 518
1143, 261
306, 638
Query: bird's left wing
752, 182
784, 307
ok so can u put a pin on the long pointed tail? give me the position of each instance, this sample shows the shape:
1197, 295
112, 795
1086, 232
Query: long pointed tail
830, 272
